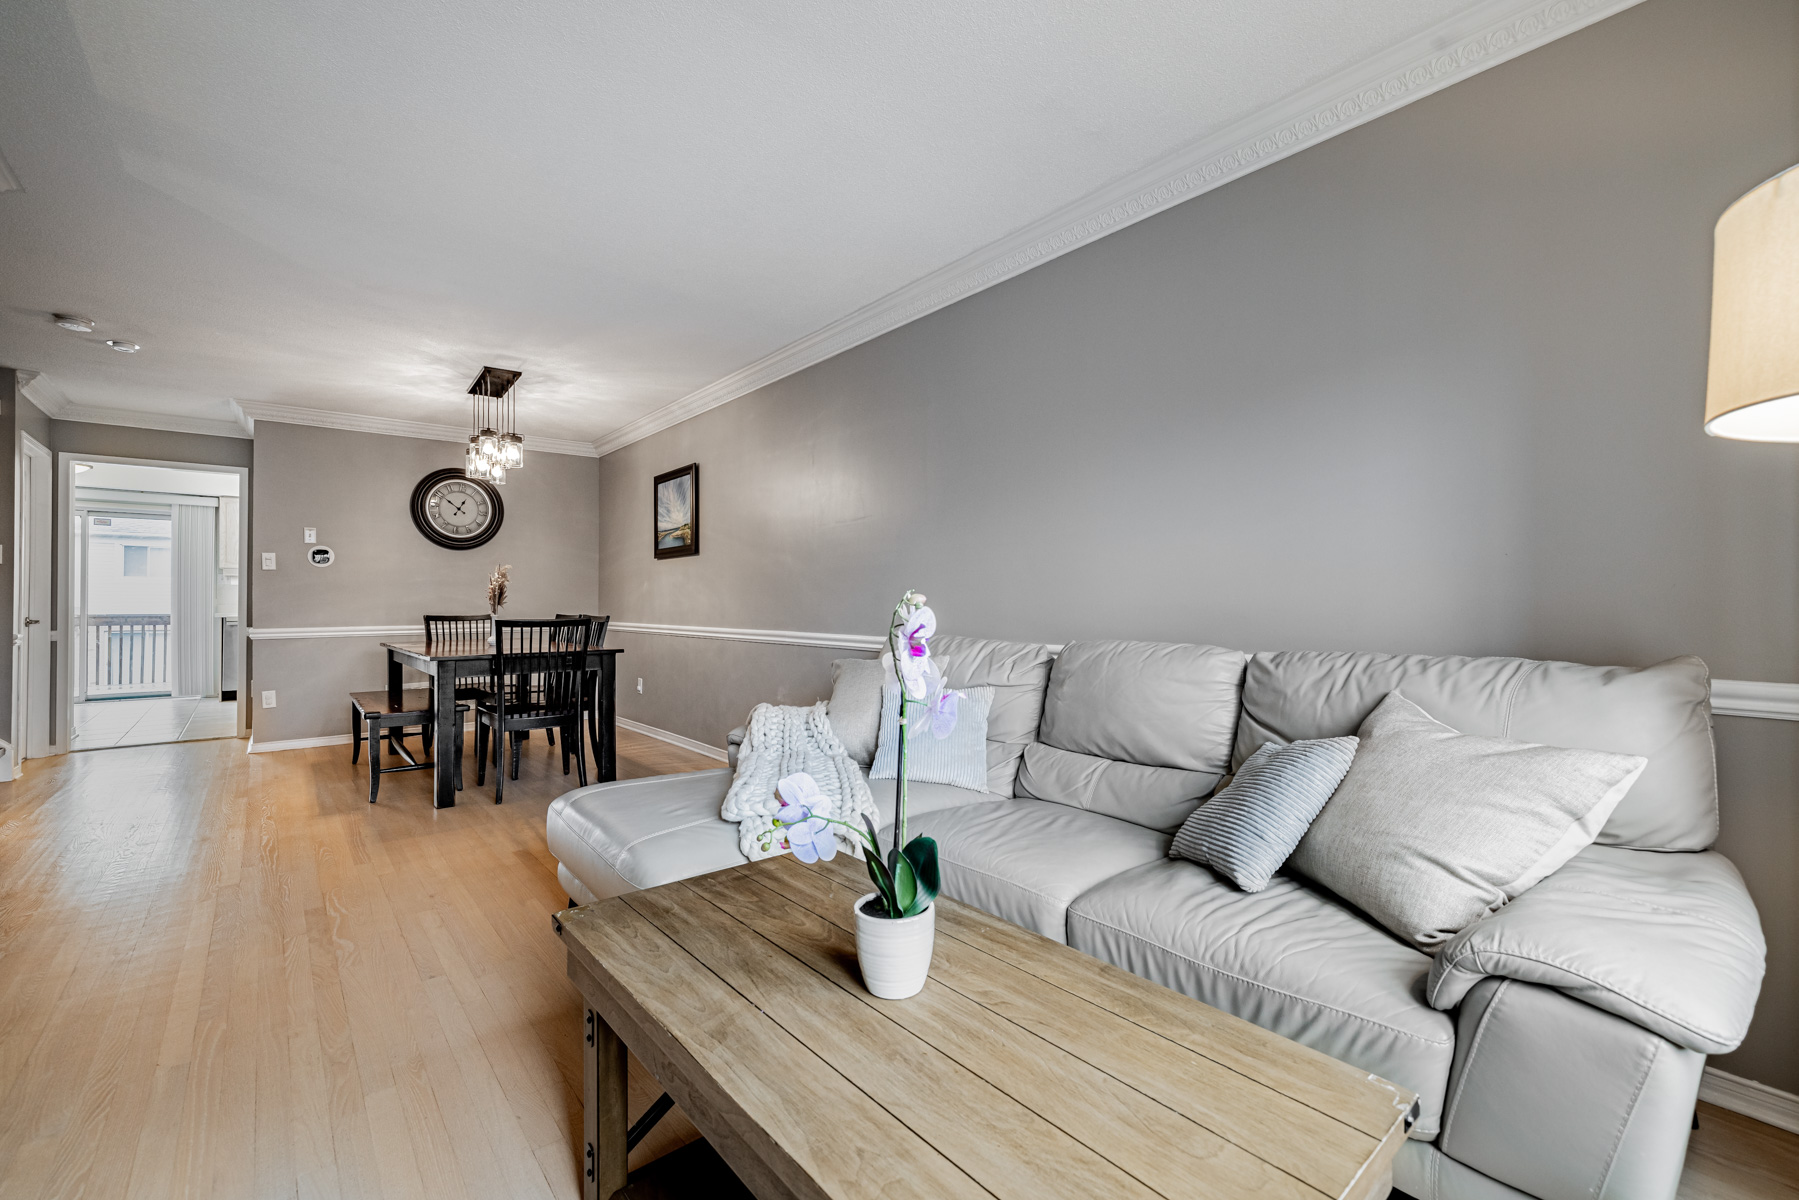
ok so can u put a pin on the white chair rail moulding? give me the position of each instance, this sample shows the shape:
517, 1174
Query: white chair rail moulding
391, 633
1730, 697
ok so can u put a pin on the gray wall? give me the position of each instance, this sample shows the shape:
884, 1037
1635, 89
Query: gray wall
1434, 385
355, 489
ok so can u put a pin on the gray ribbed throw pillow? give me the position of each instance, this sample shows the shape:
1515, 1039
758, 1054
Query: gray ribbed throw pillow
1249, 828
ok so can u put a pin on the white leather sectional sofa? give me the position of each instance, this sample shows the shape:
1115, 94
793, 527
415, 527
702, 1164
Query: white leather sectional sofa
1556, 1045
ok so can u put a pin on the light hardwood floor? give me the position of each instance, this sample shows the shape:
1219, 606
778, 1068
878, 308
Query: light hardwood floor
228, 975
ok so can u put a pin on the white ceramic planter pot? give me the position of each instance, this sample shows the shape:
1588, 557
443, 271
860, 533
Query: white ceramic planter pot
895, 954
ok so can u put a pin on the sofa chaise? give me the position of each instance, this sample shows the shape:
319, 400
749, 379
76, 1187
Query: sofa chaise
1556, 1045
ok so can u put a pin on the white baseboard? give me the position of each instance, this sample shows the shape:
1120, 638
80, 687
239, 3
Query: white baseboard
1770, 1106
334, 739
330, 739
674, 739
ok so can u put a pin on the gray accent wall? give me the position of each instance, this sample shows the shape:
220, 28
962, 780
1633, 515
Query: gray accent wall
355, 489
1434, 385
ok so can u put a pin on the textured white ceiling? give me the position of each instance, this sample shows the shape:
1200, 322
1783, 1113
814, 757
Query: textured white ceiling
353, 206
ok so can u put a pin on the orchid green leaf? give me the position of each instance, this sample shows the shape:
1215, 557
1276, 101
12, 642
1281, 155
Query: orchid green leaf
905, 887
883, 881
921, 854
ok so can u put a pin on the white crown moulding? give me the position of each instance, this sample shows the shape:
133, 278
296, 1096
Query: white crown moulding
257, 410
59, 408
248, 412
1451, 51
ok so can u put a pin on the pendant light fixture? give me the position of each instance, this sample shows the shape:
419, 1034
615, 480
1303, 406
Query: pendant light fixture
494, 446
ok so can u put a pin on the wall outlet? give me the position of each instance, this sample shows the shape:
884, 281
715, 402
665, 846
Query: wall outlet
640, 687
268, 561
268, 699
312, 535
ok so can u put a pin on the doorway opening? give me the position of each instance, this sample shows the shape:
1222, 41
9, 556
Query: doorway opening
153, 603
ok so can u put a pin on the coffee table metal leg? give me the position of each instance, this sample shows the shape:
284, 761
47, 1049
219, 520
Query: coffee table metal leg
603, 1113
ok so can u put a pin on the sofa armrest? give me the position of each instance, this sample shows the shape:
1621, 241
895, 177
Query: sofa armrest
1671, 942
733, 740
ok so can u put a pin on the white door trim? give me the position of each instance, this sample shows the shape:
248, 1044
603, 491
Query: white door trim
32, 723
65, 475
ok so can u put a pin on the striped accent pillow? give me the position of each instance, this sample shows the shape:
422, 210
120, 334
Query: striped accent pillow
1250, 827
959, 759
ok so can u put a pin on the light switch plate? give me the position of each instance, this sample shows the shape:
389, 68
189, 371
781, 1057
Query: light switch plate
268, 699
640, 687
312, 535
268, 561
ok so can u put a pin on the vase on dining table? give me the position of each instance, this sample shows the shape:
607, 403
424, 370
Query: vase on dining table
497, 583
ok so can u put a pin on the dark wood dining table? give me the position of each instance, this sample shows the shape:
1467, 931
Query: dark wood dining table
447, 661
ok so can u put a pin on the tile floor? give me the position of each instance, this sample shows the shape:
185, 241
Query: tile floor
100, 723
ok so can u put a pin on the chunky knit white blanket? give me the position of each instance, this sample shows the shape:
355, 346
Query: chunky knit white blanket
779, 741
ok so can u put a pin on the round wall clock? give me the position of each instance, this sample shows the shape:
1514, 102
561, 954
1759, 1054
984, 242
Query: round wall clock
455, 511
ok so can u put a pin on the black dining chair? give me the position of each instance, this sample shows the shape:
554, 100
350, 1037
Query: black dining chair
540, 669
372, 714
463, 630
470, 630
590, 692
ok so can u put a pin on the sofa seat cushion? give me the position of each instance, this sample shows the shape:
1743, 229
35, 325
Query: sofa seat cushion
1025, 860
1288, 959
640, 833
922, 798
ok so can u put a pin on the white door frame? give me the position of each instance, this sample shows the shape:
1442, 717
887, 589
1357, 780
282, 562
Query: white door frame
32, 620
65, 475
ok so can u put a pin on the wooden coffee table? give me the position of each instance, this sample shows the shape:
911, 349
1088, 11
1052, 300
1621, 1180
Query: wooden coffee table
1024, 1069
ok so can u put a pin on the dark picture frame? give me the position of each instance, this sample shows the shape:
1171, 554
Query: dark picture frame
676, 494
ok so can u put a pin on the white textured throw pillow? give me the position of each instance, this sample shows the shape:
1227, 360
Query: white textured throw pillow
959, 759
1433, 829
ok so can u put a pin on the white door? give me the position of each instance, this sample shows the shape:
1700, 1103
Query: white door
31, 607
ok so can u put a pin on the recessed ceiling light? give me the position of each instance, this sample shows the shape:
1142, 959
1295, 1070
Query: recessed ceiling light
75, 323
123, 347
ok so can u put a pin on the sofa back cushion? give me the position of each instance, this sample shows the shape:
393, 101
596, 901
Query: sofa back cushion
1662, 713
855, 705
1136, 730
1017, 672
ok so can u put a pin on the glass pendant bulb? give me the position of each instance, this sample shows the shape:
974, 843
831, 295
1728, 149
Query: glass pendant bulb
514, 447
490, 442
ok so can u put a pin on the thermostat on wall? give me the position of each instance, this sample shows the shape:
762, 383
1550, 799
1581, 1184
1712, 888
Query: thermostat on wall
320, 556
